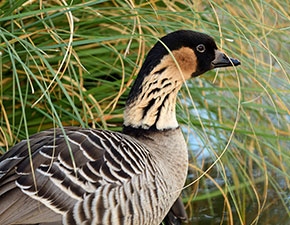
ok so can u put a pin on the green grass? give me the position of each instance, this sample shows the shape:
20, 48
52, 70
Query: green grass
73, 65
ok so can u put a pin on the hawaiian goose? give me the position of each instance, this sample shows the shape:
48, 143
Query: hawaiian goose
133, 177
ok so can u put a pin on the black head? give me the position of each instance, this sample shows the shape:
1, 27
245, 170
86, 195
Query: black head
207, 56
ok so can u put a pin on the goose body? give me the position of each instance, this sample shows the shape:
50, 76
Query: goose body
128, 182
88, 176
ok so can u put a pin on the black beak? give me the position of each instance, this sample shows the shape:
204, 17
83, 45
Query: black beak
221, 60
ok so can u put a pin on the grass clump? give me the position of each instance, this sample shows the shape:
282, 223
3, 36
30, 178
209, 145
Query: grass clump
71, 63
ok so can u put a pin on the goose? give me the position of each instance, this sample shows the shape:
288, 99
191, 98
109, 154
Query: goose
89, 176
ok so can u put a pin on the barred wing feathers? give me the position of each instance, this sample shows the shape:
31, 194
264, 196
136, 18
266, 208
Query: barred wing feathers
100, 177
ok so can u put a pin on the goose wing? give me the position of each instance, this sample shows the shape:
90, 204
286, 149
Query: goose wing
63, 169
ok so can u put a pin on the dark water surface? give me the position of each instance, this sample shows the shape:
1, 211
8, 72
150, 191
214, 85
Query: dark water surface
213, 211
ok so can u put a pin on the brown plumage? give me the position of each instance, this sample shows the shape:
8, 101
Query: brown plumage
133, 177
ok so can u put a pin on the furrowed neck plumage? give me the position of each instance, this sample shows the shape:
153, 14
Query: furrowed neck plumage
151, 104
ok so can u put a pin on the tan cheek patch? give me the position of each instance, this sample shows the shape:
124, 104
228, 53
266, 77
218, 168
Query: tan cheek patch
186, 59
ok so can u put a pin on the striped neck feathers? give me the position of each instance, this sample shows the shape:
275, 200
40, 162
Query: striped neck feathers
153, 103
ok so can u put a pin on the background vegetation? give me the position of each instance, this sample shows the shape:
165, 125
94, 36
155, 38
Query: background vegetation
72, 62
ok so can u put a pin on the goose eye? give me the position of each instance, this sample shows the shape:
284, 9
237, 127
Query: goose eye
200, 48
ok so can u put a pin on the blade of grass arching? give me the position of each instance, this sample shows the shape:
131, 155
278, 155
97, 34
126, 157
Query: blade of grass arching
222, 192
8, 11
262, 44
217, 193
12, 58
52, 71
66, 52
15, 56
